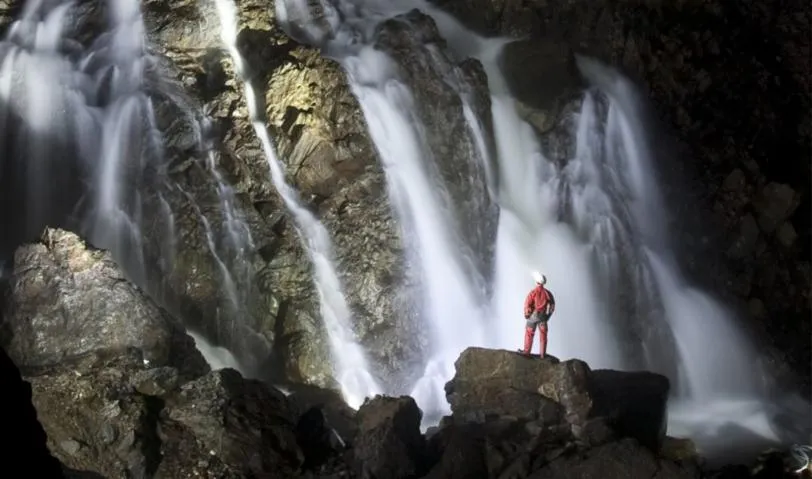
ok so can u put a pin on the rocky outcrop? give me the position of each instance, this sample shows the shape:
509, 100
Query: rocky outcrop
389, 442
321, 137
120, 389
496, 383
275, 284
59, 289
696, 79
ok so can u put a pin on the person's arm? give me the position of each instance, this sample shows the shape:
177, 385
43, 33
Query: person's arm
550, 303
528, 305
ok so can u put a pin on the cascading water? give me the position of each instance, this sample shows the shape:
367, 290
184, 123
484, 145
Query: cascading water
351, 366
82, 131
41, 88
454, 304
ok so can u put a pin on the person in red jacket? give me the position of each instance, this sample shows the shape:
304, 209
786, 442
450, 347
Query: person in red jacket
538, 307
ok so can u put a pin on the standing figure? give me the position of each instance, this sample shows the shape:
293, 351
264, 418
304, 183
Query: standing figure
538, 307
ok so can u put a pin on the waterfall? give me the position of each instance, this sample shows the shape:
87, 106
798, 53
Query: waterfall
82, 148
592, 221
351, 368
454, 303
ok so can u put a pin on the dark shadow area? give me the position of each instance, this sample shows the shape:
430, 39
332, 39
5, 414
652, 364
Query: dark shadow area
23, 443
274, 369
749, 115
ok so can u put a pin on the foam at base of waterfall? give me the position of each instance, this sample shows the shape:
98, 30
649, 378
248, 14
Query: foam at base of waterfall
736, 429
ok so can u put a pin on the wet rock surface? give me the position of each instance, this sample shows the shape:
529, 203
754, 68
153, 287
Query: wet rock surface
60, 289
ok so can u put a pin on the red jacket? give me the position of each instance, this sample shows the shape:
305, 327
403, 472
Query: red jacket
539, 299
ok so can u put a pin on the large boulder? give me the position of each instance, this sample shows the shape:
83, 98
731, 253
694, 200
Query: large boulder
119, 387
515, 416
505, 383
241, 422
67, 301
492, 383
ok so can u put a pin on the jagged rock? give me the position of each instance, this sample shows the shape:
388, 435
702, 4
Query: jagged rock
67, 301
96, 423
120, 404
241, 422
389, 442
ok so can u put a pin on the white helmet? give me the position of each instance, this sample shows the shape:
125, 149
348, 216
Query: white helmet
539, 278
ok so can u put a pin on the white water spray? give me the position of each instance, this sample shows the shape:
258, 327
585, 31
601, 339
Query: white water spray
452, 306
351, 366
217, 357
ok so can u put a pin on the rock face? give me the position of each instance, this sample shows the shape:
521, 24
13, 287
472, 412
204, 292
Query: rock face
321, 137
439, 84
62, 289
696, 79
121, 404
